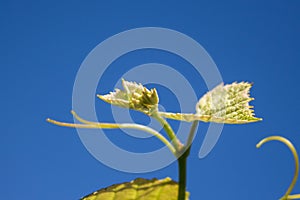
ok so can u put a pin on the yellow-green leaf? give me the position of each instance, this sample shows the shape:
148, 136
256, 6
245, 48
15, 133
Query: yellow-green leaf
142, 189
134, 96
227, 104
224, 104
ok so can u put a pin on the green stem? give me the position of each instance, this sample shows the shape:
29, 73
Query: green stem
191, 134
294, 196
177, 144
182, 163
95, 125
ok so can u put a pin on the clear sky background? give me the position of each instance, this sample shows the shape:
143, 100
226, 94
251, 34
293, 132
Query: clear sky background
43, 43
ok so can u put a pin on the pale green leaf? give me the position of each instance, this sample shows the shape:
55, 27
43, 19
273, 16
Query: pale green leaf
134, 96
142, 189
224, 104
227, 104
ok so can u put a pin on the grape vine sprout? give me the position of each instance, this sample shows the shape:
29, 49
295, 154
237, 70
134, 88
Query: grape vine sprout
228, 104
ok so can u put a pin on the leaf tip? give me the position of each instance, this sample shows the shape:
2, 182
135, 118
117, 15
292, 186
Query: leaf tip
101, 97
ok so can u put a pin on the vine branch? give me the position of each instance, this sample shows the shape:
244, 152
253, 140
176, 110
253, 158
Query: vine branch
96, 125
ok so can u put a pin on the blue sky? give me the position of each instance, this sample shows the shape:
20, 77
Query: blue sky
44, 43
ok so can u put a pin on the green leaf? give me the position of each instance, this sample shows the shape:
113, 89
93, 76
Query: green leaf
227, 104
134, 96
138, 189
224, 104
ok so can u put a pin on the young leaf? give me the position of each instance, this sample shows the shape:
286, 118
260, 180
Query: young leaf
138, 189
224, 104
227, 104
134, 96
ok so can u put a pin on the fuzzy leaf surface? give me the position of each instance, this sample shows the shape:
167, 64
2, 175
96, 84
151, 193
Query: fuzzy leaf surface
134, 96
224, 104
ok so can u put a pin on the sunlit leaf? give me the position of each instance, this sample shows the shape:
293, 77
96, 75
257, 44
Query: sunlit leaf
224, 104
134, 96
142, 189
227, 104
